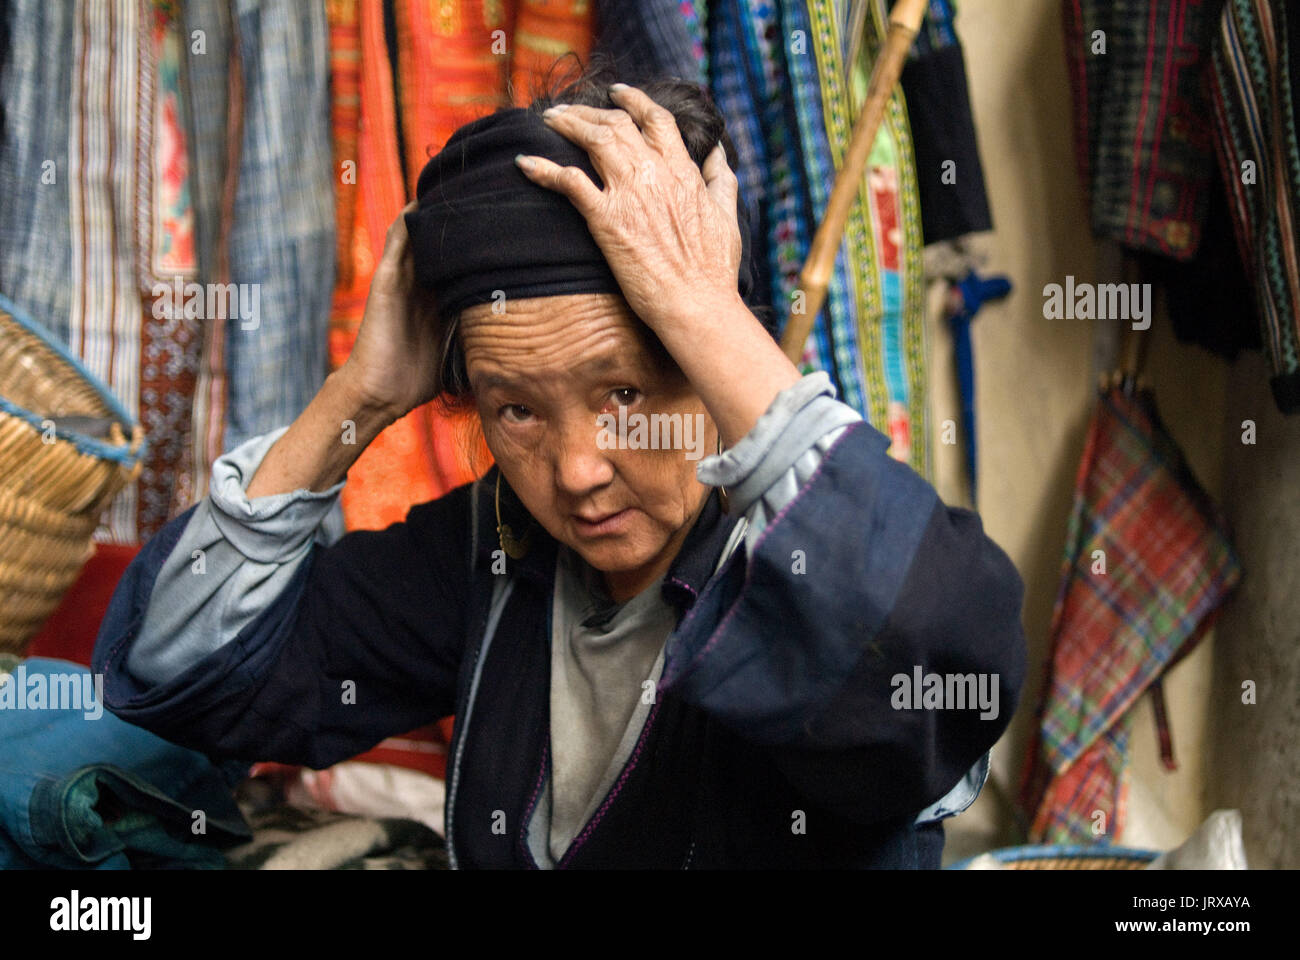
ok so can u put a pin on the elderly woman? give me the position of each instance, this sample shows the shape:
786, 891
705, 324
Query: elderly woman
657, 655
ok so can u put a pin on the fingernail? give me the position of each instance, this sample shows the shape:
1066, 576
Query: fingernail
552, 111
618, 87
523, 161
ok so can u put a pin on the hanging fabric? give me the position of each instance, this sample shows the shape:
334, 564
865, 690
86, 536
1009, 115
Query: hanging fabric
1146, 156
258, 96
1255, 84
1147, 565
778, 76
648, 39
950, 176
99, 214
1142, 147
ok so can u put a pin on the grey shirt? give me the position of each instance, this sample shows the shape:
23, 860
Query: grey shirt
602, 654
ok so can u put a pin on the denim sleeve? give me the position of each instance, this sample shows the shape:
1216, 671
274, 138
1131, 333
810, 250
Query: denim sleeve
290, 644
859, 583
233, 558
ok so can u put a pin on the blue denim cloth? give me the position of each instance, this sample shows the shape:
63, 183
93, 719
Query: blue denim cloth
283, 230
86, 791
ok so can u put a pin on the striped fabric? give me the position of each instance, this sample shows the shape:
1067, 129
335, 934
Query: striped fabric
35, 232
257, 82
130, 102
653, 38
106, 314
282, 225
214, 126
1147, 565
98, 211
779, 77
1255, 91
1142, 146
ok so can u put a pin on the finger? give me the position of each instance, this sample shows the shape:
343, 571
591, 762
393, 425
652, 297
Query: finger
608, 136
573, 182
579, 115
397, 253
397, 235
720, 179
656, 122
723, 186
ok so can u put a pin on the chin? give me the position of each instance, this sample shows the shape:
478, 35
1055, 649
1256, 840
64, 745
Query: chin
612, 557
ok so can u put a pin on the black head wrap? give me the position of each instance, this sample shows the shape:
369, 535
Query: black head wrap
482, 225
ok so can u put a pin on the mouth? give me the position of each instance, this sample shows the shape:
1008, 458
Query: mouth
600, 525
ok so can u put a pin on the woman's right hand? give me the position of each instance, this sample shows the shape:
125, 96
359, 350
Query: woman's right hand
392, 363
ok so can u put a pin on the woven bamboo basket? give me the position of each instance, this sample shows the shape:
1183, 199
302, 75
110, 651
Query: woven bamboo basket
1057, 857
66, 448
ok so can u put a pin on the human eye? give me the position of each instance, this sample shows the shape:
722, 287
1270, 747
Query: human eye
515, 413
625, 396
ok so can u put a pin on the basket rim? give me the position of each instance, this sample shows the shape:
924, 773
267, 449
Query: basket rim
1052, 851
91, 446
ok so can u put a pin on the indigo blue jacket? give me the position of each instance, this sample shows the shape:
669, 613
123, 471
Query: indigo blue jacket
776, 738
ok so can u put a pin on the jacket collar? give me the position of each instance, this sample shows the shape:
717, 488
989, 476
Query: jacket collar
686, 576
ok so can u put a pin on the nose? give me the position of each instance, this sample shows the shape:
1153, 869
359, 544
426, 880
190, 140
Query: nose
581, 466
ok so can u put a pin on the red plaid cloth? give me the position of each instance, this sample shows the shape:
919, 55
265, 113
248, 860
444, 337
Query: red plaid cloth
1168, 565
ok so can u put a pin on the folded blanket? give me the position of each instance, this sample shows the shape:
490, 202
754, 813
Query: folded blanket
288, 837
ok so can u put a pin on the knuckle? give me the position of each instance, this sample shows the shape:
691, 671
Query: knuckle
659, 114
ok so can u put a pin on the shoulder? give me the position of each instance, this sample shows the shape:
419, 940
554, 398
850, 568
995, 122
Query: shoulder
452, 525
433, 541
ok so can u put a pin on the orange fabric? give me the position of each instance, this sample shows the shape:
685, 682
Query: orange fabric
345, 99
450, 71
544, 31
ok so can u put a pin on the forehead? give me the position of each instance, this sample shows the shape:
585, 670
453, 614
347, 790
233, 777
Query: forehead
577, 334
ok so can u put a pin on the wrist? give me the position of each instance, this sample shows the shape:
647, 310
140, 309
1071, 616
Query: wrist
367, 405
732, 362
690, 324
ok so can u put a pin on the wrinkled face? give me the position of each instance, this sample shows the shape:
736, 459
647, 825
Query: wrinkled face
549, 375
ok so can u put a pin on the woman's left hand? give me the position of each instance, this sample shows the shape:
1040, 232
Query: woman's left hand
667, 228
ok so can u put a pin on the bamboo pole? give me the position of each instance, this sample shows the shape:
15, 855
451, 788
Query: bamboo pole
904, 22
